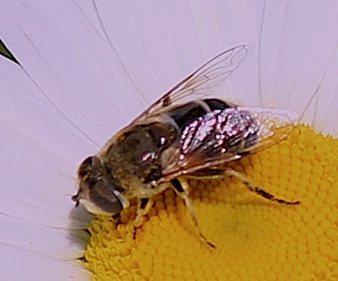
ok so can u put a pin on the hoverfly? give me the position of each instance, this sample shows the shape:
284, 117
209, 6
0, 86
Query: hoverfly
186, 133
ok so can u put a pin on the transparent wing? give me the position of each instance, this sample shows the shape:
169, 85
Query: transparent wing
275, 125
200, 83
208, 149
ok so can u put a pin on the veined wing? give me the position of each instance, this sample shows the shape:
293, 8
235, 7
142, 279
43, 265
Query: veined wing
227, 135
200, 83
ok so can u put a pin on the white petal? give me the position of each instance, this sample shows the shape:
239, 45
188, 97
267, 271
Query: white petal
21, 264
38, 182
298, 44
45, 240
71, 63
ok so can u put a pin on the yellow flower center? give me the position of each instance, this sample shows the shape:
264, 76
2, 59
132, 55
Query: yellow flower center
256, 239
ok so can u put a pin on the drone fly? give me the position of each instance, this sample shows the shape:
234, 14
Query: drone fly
187, 133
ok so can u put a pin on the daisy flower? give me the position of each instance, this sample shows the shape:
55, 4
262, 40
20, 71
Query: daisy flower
88, 68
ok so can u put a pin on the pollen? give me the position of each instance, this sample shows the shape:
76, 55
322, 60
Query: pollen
255, 238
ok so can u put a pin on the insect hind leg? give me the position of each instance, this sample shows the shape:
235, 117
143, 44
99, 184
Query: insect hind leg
258, 190
181, 187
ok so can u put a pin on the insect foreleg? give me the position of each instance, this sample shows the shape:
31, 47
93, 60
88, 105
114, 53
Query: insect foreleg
142, 210
258, 190
181, 187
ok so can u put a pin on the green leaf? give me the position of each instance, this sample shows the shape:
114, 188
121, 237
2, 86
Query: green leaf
4, 51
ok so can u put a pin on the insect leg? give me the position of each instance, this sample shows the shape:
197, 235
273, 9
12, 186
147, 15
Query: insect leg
258, 190
142, 210
208, 174
117, 218
181, 187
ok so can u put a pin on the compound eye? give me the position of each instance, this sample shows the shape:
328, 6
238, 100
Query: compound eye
97, 193
105, 198
89, 165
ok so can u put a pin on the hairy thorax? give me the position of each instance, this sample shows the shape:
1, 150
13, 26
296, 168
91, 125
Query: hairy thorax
135, 157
